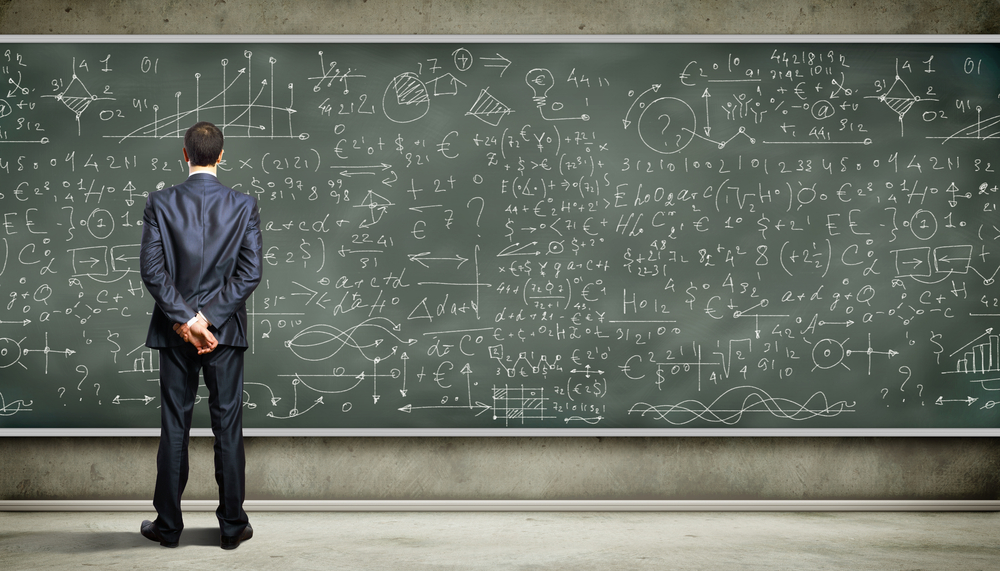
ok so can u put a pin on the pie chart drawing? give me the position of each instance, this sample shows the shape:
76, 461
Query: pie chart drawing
406, 99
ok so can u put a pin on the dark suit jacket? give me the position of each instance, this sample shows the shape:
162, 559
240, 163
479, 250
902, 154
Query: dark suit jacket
201, 251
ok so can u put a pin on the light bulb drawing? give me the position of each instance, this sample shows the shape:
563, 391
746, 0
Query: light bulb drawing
540, 81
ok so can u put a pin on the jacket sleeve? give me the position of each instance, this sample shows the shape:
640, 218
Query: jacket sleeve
152, 263
248, 273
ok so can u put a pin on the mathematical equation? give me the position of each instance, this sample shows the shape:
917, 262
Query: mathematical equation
522, 235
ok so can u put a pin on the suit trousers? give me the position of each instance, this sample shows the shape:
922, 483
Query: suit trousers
223, 372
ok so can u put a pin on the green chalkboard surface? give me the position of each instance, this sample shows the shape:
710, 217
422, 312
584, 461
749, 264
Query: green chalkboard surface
464, 234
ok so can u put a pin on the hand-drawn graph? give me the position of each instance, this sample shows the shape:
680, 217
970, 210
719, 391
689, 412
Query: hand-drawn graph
981, 130
294, 412
377, 205
406, 99
519, 404
332, 73
979, 358
46, 351
322, 341
828, 353
236, 106
144, 360
340, 381
13, 407
729, 409
489, 109
76, 97
899, 98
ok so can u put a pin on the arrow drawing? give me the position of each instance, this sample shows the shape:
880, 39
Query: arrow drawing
481, 406
274, 400
504, 65
296, 412
425, 257
708, 123
967, 400
146, 399
626, 121
350, 171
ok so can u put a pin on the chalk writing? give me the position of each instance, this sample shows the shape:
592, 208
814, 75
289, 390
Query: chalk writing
516, 235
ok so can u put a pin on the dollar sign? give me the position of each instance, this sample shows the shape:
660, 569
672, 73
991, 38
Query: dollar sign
399, 143
691, 301
509, 222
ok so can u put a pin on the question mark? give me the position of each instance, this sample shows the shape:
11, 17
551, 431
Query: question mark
906, 371
482, 204
62, 391
98, 391
921, 393
884, 393
85, 373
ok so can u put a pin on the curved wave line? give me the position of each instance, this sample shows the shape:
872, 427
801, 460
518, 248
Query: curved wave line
758, 401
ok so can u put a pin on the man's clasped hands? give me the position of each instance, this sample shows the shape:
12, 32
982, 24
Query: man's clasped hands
197, 334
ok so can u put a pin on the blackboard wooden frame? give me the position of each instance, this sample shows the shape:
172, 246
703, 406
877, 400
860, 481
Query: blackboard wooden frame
519, 432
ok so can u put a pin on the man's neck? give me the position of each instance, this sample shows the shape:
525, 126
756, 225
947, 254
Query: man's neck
192, 169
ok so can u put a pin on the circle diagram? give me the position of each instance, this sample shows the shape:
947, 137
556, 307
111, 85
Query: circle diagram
10, 352
667, 125
406, 99
827, 354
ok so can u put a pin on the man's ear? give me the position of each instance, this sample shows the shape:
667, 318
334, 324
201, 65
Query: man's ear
185, 151
218, 160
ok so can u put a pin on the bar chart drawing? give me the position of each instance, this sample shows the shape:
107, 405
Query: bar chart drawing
981, 356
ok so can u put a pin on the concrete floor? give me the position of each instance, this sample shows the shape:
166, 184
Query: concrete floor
512, 541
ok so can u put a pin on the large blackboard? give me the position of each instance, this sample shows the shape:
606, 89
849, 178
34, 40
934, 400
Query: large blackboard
465, 235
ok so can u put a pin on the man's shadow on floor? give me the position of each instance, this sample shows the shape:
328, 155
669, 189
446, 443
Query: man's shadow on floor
101, 541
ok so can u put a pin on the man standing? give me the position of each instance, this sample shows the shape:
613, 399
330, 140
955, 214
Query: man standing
201, 260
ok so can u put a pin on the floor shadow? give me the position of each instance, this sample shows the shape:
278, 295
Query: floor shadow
210, 536
102, 541
93, 541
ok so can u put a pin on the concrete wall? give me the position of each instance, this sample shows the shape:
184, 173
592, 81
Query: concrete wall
514, 468
805, 469
499, 17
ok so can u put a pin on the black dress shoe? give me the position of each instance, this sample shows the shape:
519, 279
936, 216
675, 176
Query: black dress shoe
151, 532
233, 541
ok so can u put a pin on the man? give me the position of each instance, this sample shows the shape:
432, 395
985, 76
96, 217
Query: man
201, 260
